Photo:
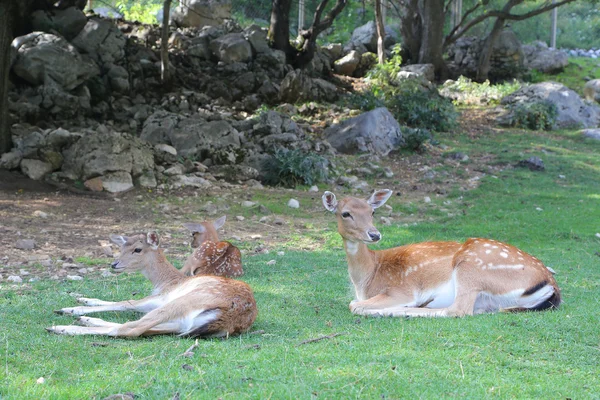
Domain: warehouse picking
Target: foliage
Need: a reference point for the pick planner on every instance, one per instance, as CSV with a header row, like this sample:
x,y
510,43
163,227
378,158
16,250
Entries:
x,y
464,91
290,168
386,72
574,76
415,139
143,11
539,115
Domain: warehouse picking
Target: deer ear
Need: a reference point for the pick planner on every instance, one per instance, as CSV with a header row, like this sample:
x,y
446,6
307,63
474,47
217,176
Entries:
x,y
118,239
218,223
329,201
195,227
152,239
379,198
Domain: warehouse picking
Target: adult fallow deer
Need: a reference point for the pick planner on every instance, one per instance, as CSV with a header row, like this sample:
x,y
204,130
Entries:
x,y
211,256
436,279
205,306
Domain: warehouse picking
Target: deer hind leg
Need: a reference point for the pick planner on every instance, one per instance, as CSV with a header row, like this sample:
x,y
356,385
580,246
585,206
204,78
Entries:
x,y
464,304
143,305
94,302
95,322
376,304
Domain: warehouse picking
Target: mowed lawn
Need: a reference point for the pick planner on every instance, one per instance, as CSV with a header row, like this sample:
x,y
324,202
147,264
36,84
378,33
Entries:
x,y
554,215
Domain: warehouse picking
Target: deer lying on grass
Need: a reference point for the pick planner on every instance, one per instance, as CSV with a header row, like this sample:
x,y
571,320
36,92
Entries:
x,y
206,306
436,279
212,257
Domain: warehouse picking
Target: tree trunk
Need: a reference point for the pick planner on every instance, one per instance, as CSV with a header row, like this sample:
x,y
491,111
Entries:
x,y
7,15
432,18
484,64
380,32
279,29
410,28
165,73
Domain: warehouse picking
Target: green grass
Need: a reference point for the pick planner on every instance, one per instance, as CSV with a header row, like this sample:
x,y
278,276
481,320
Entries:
x,y
306,295
575,75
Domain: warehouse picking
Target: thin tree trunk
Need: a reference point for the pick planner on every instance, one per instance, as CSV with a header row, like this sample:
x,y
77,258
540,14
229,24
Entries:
x,y
7,14
165,73
484,64
410,28
380,32
432,16
279,29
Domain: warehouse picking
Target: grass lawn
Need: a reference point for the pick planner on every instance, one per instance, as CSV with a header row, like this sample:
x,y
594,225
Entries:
x,y
554,214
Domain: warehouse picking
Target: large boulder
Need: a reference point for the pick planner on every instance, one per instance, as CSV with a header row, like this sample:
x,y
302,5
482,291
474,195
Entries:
x,y
427,71
195,137
101,152
68,22
231,48
573,112
375,132
257,37
297,86
542,58
365,35
591,90
102,40
43,58
199,13
347,64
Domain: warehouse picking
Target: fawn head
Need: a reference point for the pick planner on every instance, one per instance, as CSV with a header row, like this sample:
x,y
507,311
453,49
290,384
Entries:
x,y
136,251
205,231
355,216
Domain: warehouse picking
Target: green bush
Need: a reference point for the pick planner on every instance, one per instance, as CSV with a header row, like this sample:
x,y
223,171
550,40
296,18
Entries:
x,y
293,167
465,91
415,138
536,116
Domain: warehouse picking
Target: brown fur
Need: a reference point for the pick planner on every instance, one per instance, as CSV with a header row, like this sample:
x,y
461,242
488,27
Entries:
x,y
386,281
214,258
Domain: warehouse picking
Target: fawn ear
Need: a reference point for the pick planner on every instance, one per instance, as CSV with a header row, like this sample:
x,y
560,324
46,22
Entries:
x,y
329,201
218,223
152,239
379,197
195,227
118,239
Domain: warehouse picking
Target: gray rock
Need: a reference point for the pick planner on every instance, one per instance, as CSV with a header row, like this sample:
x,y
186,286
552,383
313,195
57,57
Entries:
x,y
427,71
591,90
176,169
293,203
573,112
25,244
347,64
60,138
533,163
147,180
365,35
163,153
257,37
44,58
10,160
190,180
297,86
14,279
235,172
68,22
591,133
333,50
115,182
101,40
231,48
199,13
542,58
375,131
35,169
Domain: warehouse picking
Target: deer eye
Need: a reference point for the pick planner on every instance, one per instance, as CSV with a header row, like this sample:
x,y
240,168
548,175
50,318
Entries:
x,y
137,250
346,215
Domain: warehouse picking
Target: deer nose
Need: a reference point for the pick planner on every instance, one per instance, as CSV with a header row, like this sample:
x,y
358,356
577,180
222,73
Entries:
x,y
375,236
114,264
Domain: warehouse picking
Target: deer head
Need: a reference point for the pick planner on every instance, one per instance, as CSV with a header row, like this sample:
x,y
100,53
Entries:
x,y
205,231
355,216
136,251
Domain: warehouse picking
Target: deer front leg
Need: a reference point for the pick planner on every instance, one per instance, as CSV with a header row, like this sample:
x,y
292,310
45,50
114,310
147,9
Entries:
x,y
376,304
144,305
94,302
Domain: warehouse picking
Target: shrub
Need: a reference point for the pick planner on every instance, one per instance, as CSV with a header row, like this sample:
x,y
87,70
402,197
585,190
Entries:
x,y
292,167
536,116
465,91
415,138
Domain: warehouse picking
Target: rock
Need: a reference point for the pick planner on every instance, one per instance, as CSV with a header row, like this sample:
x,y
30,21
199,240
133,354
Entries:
x,y
239,218
427,199
367,61
591,90
293,203
115,182
375,132
271,262
25,244
533,163
542,58
10,160
190,180
591,133
427,71
14,279
347,64
119,79
365,35
257,37
35,169
333,50
74,278
573,112
247,204
40,214
163,153
231,48
235,173
101,40
94,184
313,188
60,138
68,22
199,13
297,86
176,169
147,180
45,59
279,221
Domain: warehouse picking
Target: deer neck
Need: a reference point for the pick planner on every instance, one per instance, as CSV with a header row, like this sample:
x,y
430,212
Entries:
x,y
361,266
162,273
